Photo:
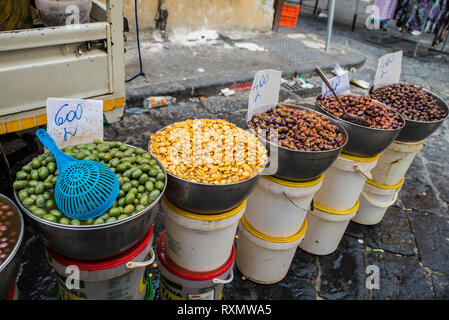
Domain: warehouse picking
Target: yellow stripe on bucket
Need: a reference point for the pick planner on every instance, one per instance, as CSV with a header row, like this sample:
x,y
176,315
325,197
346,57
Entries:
x,y
262,236
205,217
381,186
362,159
340,212
296,184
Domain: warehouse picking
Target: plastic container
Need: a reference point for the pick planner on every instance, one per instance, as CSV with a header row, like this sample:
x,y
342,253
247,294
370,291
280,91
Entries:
x,y
277,208
149,293
60,13
343,181
120,278
375,200
177,283
263,259
198,242
394,162
289,15
326,228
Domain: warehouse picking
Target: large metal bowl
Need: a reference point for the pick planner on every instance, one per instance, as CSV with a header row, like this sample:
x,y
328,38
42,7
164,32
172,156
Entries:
x,y
208,198
295,165
415,131
364,141
205,198
95,242
10,267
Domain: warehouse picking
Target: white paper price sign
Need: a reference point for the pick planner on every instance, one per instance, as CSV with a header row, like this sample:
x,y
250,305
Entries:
x,y
264,92
72,121
340,84
388,69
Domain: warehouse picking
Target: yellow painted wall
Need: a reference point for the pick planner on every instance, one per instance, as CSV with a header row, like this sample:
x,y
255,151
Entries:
x,y
254,15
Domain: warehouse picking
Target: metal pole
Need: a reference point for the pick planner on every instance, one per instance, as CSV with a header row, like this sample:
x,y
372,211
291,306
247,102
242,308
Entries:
x,y
330,21
356,11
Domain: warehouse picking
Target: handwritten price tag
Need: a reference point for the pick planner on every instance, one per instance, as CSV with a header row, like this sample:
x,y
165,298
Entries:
x,y
264,92
71,121
340,84
388,69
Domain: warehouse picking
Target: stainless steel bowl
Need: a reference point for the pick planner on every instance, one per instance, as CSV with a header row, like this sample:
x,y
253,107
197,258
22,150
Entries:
x,y
415,131
205,198
364,141
10,267
208,198
95,242
295,165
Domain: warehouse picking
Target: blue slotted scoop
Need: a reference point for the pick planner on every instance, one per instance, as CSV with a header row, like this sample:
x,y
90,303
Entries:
x,y
84,189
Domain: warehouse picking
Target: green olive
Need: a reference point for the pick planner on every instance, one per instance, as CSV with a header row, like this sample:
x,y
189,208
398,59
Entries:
x,y
43,173
22,175
40,188
126,186
137,173
19,184
140,207
39,212
154,194
114,212
28,202
40,201
56,213
128,209
130,198
111,219
160,176
27,168
149,186
64,220
122,216
22,194
36,163
51,167
159,185
49,217
75,222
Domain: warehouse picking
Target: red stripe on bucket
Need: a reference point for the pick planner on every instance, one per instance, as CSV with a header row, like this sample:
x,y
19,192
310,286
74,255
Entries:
x,y
11,293
105,264
184,273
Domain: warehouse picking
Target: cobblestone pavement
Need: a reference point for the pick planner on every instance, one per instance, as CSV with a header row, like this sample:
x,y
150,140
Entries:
x,y
413,236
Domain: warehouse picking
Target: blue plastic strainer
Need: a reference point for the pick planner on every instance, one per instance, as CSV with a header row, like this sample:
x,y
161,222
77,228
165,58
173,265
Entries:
x,y
84,189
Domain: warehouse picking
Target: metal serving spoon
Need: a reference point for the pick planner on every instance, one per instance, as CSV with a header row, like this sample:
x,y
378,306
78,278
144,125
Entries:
x,y
346,116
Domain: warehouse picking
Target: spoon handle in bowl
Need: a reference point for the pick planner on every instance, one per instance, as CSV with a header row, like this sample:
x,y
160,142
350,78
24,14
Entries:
x,y
62,159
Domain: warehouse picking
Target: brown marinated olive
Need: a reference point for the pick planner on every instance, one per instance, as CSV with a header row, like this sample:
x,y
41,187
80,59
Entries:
x,y
410,101
298,129
376,115
9,230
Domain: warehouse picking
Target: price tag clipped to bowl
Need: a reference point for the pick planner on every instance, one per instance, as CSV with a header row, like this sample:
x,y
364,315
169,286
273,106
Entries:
x,y
340,84
264,92
388,69
73,121
264,95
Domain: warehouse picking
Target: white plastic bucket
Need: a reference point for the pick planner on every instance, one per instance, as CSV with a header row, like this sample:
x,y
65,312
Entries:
x,y
120,278
264,259
177,283
374,202
277,208
326,228
394,162
344,181
200,242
